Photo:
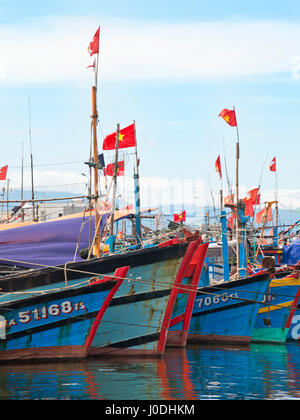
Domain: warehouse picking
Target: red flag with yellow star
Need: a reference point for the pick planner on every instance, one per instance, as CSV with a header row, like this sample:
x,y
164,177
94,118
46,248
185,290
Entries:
x,y
264,214
180,217
254,195
229,116
229,199
110,169
126,139
248,207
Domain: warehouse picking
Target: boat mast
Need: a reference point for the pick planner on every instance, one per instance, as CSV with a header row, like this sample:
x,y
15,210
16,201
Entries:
x,y
276,209
7,191
94,117
22,182
31,160
137,193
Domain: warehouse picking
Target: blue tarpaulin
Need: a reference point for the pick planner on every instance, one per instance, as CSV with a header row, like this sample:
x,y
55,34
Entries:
x,y
291,253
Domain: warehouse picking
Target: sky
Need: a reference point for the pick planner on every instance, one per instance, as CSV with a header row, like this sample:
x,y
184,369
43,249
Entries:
x,y
170,66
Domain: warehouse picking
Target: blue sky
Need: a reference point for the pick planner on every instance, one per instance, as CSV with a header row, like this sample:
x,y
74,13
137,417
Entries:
x,y
169,65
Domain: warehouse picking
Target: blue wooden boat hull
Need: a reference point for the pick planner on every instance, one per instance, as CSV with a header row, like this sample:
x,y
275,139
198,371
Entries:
x,y
274,316
54,325
226,312
133,323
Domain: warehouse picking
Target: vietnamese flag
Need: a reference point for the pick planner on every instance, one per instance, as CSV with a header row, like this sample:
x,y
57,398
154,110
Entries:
x,y
229,199
272,165
254,195
110,169
248,207
180,217
218,166
229,116
93,48
3,172
126,139
264,214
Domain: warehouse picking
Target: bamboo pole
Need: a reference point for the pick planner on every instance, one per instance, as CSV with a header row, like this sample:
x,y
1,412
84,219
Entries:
x,y
94,117
31,160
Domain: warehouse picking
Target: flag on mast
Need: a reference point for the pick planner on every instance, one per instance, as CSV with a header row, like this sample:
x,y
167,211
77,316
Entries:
x,y
248,206
229,116
254,195
180,217
126,139
218,166
3,172
229,199
272,165
93,48
264,215
110,169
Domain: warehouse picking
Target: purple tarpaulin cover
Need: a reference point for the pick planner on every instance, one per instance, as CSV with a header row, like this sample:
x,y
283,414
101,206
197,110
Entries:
x,y
49,243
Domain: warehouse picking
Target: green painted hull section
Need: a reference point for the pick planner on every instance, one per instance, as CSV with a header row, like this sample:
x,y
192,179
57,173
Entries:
x,y
270,335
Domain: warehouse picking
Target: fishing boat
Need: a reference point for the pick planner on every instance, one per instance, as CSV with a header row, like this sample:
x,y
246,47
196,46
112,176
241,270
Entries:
x,y
274,318
56,324
275,315
139,314
291,258
257,308
226,312
277,319
138,322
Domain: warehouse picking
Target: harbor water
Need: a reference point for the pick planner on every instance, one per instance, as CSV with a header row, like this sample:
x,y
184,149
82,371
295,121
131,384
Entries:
x,y
258,372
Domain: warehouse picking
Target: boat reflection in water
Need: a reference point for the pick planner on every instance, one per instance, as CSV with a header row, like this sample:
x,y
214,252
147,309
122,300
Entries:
x,y
196,373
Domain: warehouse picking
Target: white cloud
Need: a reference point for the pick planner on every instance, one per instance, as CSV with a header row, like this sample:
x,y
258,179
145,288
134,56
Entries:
x,y
55,49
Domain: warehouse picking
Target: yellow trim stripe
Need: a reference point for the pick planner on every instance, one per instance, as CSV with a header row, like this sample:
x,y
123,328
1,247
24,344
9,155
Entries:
x,y
274,308
285,282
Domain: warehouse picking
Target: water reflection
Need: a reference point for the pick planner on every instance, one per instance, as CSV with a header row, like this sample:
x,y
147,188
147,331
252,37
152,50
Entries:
x,y
206,372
